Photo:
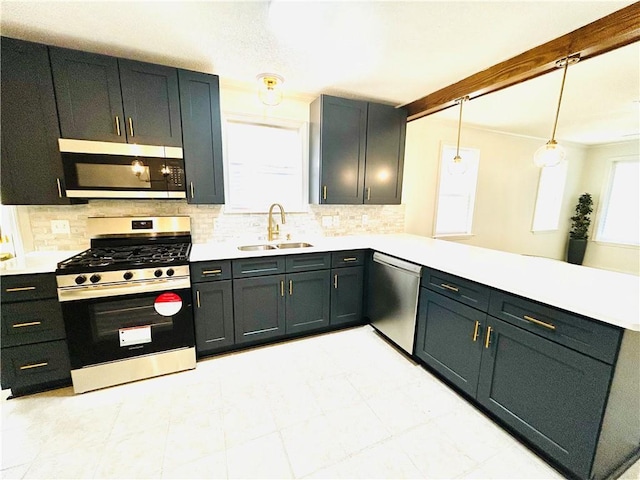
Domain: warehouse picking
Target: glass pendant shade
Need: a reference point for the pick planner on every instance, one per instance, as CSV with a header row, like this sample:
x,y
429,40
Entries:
x,y
269,90
549,155
457,166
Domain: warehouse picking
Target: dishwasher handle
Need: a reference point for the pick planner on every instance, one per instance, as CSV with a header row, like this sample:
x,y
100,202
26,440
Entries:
x,y
396,263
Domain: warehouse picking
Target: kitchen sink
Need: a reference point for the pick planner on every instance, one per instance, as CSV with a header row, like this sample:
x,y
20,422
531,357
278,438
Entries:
x,y
251,248
294,245
247,248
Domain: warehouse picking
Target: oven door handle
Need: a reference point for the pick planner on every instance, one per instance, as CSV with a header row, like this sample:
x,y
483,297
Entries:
x,y
71,294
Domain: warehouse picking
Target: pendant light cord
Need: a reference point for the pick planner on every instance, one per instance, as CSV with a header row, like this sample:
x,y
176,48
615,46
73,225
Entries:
x,y
566,61
462,99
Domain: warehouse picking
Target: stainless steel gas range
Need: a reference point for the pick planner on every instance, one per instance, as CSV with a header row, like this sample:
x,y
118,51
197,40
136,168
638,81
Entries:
x,y
126,301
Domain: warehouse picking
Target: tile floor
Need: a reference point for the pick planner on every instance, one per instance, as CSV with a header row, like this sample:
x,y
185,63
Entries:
x,y
340,405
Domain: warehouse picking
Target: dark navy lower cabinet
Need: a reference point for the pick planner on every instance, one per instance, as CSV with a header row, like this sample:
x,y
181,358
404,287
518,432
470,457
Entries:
x,y
553,396
449,339
259,308
213,316
347,289
307,301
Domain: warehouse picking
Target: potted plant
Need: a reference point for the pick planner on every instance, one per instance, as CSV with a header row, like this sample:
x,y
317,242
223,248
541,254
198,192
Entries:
x,y
579,229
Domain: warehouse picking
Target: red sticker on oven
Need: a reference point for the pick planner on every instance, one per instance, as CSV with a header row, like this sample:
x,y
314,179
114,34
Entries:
x,y
168,304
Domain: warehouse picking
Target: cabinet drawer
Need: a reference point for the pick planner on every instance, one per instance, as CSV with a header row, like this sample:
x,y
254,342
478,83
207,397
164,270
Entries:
x,y
31,365
31,322
17,288
348,258
210,271
460,289
579,333
307,262
256,267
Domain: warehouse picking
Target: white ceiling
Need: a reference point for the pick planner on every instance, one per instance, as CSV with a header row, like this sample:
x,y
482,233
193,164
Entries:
x,y
392,52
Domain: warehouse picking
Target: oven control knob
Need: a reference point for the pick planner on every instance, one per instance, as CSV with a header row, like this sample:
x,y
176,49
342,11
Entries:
x,y
127,275
158,273
170,272
80,279
95,278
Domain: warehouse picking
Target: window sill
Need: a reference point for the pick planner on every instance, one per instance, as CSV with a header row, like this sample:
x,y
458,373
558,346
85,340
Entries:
x,y
455,236
614,244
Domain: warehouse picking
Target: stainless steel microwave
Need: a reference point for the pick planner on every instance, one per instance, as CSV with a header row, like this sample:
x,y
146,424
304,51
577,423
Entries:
x,y
121,170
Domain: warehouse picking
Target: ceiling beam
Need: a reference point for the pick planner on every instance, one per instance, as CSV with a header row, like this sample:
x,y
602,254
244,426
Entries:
x,y
608,33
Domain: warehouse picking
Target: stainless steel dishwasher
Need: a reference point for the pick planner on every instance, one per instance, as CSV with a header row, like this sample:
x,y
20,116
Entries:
x,y
392,302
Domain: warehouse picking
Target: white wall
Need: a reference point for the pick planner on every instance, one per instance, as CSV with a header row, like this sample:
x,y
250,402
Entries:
x,y
506,192
622,258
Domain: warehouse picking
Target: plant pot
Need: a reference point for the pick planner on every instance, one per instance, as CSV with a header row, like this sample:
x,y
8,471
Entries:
x,y
576,250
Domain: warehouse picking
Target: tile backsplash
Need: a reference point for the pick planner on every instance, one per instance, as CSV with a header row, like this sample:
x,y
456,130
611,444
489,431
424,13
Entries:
x,y
208,222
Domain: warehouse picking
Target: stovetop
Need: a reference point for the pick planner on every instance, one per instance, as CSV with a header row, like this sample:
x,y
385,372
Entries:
x,y
126,257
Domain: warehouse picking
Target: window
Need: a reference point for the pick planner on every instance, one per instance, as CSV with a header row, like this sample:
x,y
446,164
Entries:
x,y
10,239
546,215
456,192
265,163
619,220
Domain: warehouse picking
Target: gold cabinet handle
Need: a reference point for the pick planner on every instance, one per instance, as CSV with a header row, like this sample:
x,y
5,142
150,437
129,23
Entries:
x,y
487,342
550,326
368,193
131,126
34,365
198,298
211,272
324,192
26,324
475,331
349,259
282,288
193,194
19,289
335,281
449,287
290,287
118,126
59,187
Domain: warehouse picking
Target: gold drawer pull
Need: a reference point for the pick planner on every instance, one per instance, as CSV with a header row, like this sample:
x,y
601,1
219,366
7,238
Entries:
x,y
198,298
19,289
475,331
488,340
540,322
449,287
34,365
27,324
211,272
290,287
349,259
335,281
282,288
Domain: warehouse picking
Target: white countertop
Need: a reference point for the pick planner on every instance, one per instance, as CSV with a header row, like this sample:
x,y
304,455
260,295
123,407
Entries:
x,y
35,262
611,297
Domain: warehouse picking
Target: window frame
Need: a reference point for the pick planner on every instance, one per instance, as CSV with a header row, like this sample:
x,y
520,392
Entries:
x,y
441,165
303,131
607,186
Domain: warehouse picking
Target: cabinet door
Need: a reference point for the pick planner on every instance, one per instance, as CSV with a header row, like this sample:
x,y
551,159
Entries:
x,y
342,150
449,339
346,295
386,127
213,316
259,308
31,164
151,103
552,395
202,137
88,95
307,301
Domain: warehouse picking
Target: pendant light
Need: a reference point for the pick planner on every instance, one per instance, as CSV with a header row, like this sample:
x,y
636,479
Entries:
x,y
458,166
269,88
551,153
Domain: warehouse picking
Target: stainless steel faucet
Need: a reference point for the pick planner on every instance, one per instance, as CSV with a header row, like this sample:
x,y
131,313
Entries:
x,y
273,228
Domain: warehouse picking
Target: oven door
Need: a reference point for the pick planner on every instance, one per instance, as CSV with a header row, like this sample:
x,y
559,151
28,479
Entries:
x,y
114,328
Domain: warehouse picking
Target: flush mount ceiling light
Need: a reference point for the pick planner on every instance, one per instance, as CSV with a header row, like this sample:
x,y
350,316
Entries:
x,y
551,154
270,88
457,165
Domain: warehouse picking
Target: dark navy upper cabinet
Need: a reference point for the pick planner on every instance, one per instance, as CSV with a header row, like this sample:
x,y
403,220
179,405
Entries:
x,y
356,152
386,129
117,100
31,164
552,395
202,137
